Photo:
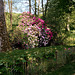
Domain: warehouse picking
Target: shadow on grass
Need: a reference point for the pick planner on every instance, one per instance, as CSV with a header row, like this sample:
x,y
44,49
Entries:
x,y
68,69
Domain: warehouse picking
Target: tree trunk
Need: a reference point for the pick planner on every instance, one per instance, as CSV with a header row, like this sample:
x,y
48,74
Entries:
x,y
10,12
38,6
35,7
4,10
4,41
30,6
4,5
42,9
67,26
46,7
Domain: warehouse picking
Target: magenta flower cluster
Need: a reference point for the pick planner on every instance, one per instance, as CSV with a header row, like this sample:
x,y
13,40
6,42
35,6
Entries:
x,y
37,31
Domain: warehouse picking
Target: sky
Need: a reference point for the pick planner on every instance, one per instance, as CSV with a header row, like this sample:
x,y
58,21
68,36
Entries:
x,y
20,6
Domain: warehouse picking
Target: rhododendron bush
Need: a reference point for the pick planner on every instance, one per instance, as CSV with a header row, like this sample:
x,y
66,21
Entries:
x,y
37,32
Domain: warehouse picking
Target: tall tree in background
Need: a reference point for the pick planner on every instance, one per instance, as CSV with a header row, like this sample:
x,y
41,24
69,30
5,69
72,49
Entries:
x,y
35,7
67,7
4,5
58,16
4,8
10,11
11,14
46,7
4,42
30,6
38,6
42,9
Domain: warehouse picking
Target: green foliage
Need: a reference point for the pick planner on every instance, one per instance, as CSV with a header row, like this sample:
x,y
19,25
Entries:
x,y
17,35
57,18
72,22
13,60
15,19
39,60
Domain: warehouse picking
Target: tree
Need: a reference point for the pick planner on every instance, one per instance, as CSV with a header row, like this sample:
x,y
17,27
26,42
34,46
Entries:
x,y
42,9
46,7
4,5
30,6
58,15
35,7
67,7
4,41
38,6
4,8
11,14
10,11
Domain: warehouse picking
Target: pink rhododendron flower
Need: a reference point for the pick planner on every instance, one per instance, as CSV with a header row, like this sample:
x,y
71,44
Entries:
x,y
33,23
20,16
43,37
48,33
69,48
45,27
41,20
35,27
22,20
45,24
34,17
23,16
42,26
28,16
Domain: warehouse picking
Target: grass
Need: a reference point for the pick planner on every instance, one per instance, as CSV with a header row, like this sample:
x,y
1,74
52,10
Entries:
x,y
68,69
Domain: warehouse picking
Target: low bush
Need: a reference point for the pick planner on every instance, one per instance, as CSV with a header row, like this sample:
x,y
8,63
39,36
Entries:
x,y
19,61
32,61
